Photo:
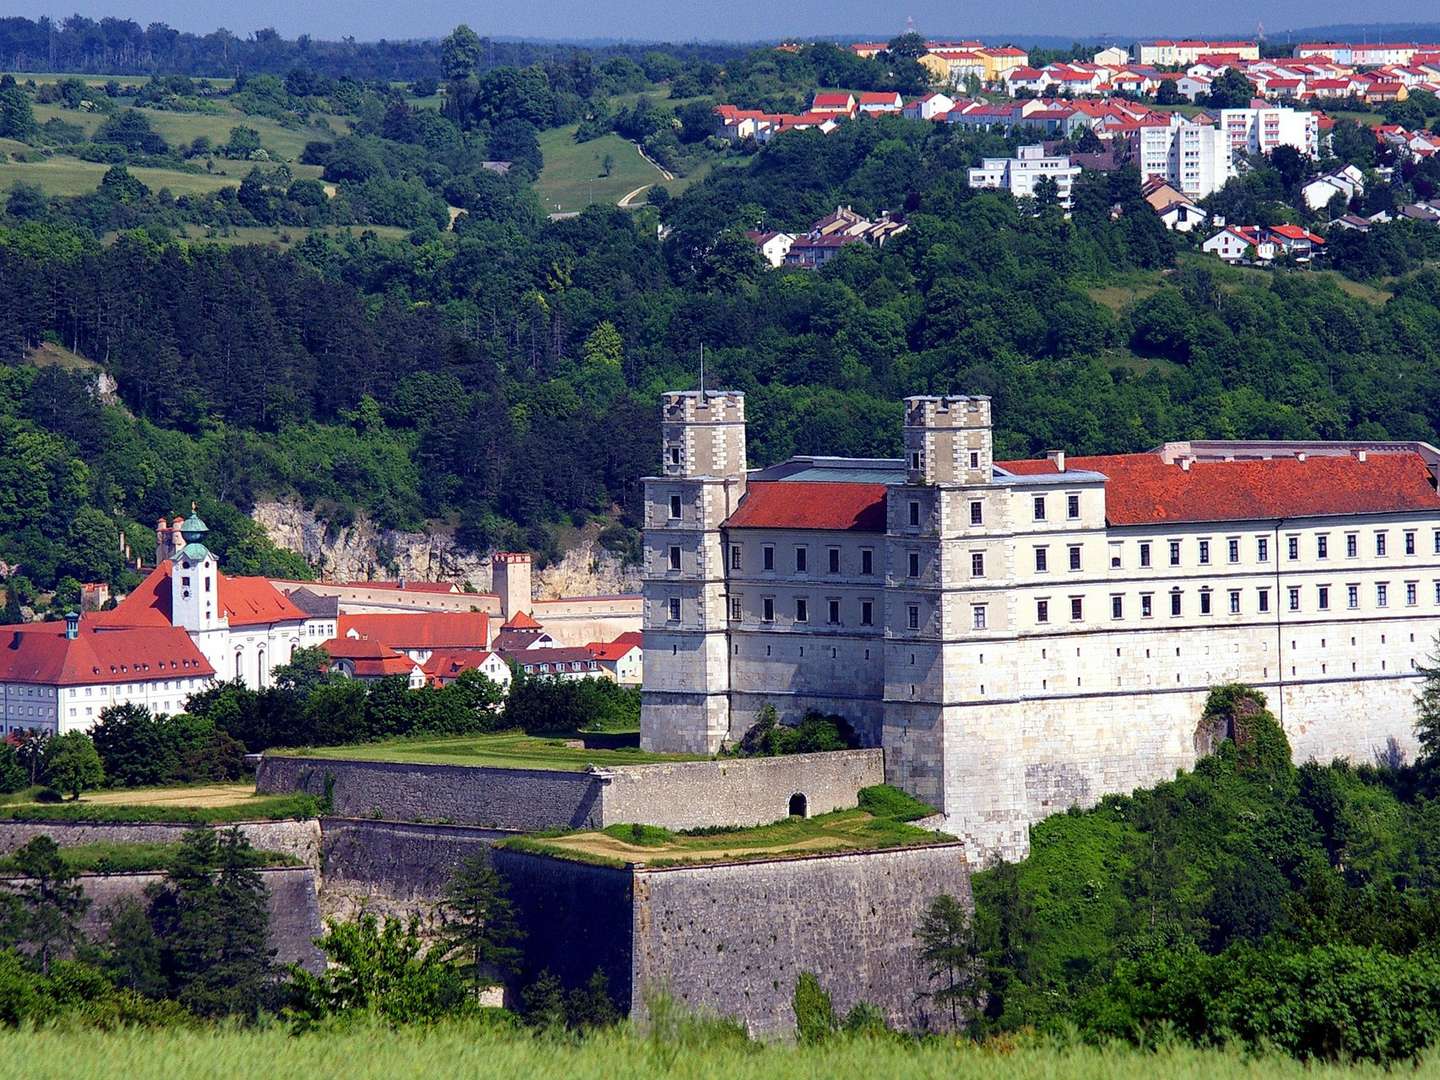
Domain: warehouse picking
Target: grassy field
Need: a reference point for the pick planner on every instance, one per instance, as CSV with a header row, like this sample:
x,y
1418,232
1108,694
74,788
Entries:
x,y
508,750
70,176
645,845
377,1054
284,237
572,177
182,804
181,129
101,80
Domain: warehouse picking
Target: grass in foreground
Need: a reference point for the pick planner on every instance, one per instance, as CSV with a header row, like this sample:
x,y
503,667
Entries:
x,y
370,1053
506,750
108,858
646,845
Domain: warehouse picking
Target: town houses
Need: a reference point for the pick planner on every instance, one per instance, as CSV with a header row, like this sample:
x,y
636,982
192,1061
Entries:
x,y
188,625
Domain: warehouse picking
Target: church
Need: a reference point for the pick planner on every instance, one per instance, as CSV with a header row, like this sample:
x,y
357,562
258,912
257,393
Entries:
x,y
186,625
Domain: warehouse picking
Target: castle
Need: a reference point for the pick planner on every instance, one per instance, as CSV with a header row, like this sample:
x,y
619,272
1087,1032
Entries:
x,y
1025,636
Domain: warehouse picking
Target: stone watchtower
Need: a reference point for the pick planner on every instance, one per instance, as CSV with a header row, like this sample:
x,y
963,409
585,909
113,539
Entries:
x,y
685,704
948,729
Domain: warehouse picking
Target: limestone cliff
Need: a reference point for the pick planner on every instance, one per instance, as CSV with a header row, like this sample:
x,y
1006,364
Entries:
x,y
364,550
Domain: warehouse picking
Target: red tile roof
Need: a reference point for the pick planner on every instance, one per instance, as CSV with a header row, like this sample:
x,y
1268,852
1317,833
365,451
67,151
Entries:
x,y
246,601
41,653
420,629
369,659
612,650
520,621
447,665
1143,489
797,504
408,586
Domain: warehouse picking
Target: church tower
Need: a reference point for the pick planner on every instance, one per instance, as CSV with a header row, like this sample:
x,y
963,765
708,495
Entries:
x,y
195,581
685,704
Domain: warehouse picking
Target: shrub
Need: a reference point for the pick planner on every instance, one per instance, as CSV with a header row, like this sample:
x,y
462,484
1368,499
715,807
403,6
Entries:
x,y
640,835
884,801
814,1013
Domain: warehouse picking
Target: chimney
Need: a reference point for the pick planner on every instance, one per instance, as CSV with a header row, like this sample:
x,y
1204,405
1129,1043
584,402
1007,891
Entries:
x,y
1185,463
1057,458
1300,456
162,541
72,626
1361,455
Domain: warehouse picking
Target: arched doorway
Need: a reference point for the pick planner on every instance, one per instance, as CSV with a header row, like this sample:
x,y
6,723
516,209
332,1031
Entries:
x,y
798,806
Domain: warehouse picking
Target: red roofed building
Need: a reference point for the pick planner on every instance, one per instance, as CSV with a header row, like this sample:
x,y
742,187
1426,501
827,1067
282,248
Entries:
x,y
371,661
1021,636
420,633
446,665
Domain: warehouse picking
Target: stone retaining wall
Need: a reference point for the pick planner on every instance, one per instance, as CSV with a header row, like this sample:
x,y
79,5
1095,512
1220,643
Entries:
x,y
300,839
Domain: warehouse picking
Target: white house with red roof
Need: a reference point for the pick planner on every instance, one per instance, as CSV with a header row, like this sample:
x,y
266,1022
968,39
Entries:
x,y
1024,636
184,626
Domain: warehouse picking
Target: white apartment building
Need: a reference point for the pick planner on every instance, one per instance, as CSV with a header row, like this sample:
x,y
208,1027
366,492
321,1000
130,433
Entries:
x,y
1193,158
1168,53
1259,131
1018,175
1025,636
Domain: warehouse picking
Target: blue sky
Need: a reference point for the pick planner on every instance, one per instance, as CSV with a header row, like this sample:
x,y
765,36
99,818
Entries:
x,y
735,19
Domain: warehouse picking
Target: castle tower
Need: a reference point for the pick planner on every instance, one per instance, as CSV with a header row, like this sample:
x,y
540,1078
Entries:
x,y
685,706
950,734
510,580
195,581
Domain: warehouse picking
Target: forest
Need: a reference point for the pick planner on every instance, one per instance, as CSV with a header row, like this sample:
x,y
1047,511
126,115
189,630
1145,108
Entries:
x,y
501,377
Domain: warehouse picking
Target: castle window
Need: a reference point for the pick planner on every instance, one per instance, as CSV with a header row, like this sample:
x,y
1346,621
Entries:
x,y
185,580
802,609
834,612
1409,543
915,460
735,561
1292,548
977,564
1077,608
1144,555
833,555
1322,546
802,560
675,609
1072,506
1437,541
674,507
767,609
1204,601
1264,599
1042,611
767,557
1379,543
1412,593
1352,545
974,459
1233,548
912,616
913,567
736,609
674,455
867,613
1322,597
1175,602
674,557
1115,553
977,513
1294,597
867,561
1262,548
1074,556
1147,605
1437,592
1352,597
914,512
977,616
1117,606
1174,552
1204,552
1382,594
1234,601
1042,560
1038,505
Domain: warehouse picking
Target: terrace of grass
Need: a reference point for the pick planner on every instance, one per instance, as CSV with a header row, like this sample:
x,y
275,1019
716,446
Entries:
x,y
107,858
882,820
509,750
181,804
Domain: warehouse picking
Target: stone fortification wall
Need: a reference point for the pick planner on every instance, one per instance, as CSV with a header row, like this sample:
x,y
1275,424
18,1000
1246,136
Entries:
x,y
737,791
514,799
298,838
294,913
732,939
399,859
577,918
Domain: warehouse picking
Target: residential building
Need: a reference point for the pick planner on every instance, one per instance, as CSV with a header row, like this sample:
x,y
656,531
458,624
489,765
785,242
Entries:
x,y
929,107
1019,175
1025,636
773,246
1347,182
1177,212
1193,158
1168,53
1262,128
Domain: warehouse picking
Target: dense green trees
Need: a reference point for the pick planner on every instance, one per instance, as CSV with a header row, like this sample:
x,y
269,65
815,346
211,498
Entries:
x,y
1249,900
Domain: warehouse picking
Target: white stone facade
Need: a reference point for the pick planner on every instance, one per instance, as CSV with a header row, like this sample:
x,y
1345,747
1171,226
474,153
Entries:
x,y
1015,640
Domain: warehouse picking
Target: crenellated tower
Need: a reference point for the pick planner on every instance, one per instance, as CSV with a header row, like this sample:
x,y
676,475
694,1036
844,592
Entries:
x,y
685,706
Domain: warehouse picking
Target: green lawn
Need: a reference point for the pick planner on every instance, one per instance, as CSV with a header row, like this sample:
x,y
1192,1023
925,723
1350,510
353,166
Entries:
x,y
284,237
681,1051
508,749
101,80
184,804
573,177
841,830
133,858
181,129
